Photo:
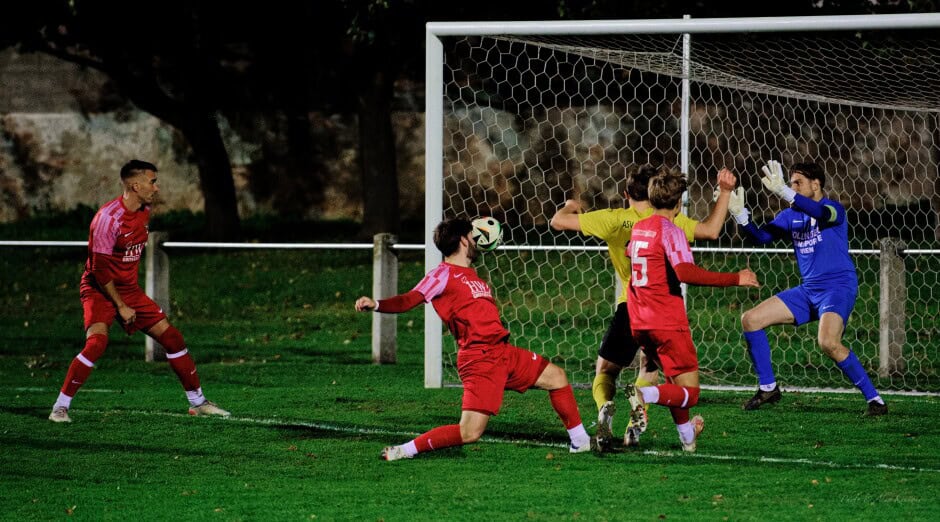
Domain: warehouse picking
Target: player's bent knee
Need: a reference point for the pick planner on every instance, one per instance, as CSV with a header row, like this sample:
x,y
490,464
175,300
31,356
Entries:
x,y
608,367
831,347
693,396
470,434
553,377
172,340
95,346
747,321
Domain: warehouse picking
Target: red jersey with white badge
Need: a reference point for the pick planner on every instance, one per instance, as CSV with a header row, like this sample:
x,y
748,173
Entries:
x,y
464,302
655,248
116,239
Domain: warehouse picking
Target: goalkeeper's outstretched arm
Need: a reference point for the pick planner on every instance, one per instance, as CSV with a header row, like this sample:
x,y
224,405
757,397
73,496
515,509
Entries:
x,y
826,215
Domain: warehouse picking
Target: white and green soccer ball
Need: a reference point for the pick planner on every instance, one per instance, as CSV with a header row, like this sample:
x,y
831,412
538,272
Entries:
x,y
487,232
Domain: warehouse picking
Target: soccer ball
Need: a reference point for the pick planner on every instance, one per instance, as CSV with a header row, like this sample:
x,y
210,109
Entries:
x,y
487,232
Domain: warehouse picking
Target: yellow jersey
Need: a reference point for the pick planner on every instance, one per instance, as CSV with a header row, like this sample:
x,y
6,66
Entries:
x,y
615,226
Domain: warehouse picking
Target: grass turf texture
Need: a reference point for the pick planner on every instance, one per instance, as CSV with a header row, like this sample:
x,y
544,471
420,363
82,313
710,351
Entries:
x,y
277,343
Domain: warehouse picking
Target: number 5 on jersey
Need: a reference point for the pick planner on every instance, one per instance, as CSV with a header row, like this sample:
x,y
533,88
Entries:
x,y
638,262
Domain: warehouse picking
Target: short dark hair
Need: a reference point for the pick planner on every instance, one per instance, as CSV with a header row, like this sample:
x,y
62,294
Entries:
x,y
638,180
666,189
135,167
447,234
811,171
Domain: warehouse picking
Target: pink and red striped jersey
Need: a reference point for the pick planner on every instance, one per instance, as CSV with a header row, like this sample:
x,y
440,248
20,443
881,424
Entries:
x,y
464,302
655,248
116,239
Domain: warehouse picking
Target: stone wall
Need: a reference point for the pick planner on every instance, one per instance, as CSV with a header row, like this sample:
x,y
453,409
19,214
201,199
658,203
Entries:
x,y
64,136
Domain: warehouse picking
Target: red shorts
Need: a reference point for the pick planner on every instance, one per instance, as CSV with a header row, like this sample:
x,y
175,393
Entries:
x,y
673,349
487,371
98,308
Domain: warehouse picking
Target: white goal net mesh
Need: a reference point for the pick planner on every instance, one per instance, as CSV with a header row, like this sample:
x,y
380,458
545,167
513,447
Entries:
x,y
532,121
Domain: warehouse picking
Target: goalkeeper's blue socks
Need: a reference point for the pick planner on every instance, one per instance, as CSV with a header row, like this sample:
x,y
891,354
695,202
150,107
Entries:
x,y
759,349
852,368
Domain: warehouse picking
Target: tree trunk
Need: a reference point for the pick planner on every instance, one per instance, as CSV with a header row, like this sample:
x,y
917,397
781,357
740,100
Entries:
x,y
215,176
377,155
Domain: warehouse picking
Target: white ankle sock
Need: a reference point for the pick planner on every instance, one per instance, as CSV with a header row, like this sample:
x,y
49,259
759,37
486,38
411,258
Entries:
x,y
410,449
650,394
579,436
195,397
686,432
63,400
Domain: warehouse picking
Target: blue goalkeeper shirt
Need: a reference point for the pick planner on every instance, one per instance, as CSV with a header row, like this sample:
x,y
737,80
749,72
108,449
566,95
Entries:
x,y
819,233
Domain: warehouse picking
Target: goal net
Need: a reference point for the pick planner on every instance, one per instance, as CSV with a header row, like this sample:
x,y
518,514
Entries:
x,y
522,116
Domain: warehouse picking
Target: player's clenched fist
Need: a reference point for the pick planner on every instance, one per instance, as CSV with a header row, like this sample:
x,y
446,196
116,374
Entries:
x,y
747,277
365,304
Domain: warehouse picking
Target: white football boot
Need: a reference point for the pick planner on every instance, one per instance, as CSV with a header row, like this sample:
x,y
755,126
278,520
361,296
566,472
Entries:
x,y
394,453
698,423
60,414
208,408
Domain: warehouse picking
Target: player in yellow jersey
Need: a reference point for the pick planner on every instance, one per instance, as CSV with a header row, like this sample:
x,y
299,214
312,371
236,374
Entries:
x,y
614,226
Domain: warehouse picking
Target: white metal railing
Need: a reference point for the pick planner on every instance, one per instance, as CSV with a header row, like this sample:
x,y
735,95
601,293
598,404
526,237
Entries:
x,y
385,284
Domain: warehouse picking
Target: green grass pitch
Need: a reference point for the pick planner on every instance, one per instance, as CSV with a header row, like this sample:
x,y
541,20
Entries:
x,y
277,342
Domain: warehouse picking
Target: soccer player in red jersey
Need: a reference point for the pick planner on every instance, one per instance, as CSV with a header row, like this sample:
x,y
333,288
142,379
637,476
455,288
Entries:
x,y
661,259
109,291
486,362
614,225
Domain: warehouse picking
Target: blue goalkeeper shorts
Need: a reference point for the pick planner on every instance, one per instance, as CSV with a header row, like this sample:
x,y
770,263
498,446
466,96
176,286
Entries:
x,y
807,304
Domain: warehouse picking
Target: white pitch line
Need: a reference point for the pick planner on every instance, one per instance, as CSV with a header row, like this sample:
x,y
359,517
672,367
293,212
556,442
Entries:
x,y
776,460
529,442
37,389
837,391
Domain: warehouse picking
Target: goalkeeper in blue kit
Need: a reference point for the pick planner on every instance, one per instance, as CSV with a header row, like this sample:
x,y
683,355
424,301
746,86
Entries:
x,y
817,227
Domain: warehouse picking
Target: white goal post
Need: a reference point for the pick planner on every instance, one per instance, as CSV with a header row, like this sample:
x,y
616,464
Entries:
x,y
522,115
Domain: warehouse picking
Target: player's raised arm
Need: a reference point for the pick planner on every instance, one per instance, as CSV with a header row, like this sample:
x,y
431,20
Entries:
x,y
566,218
711,227
774,181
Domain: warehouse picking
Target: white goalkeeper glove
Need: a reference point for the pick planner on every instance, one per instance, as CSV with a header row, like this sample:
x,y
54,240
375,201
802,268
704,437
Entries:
x,y
774,182
736,206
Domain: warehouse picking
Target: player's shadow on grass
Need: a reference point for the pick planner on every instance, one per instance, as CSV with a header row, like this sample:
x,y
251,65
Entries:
x,y
359,434
25,411
59,443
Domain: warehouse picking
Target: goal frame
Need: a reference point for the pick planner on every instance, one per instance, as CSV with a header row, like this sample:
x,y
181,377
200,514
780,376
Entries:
x,y
434,98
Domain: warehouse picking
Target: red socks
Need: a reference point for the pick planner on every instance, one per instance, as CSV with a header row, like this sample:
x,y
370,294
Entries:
x,y
565,405
82,364
176,354
679,415
439,438
178,357
446,436
678,396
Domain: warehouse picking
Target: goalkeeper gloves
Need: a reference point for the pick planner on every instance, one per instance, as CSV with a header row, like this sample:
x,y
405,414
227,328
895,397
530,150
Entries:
x,y
774,182
736,206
